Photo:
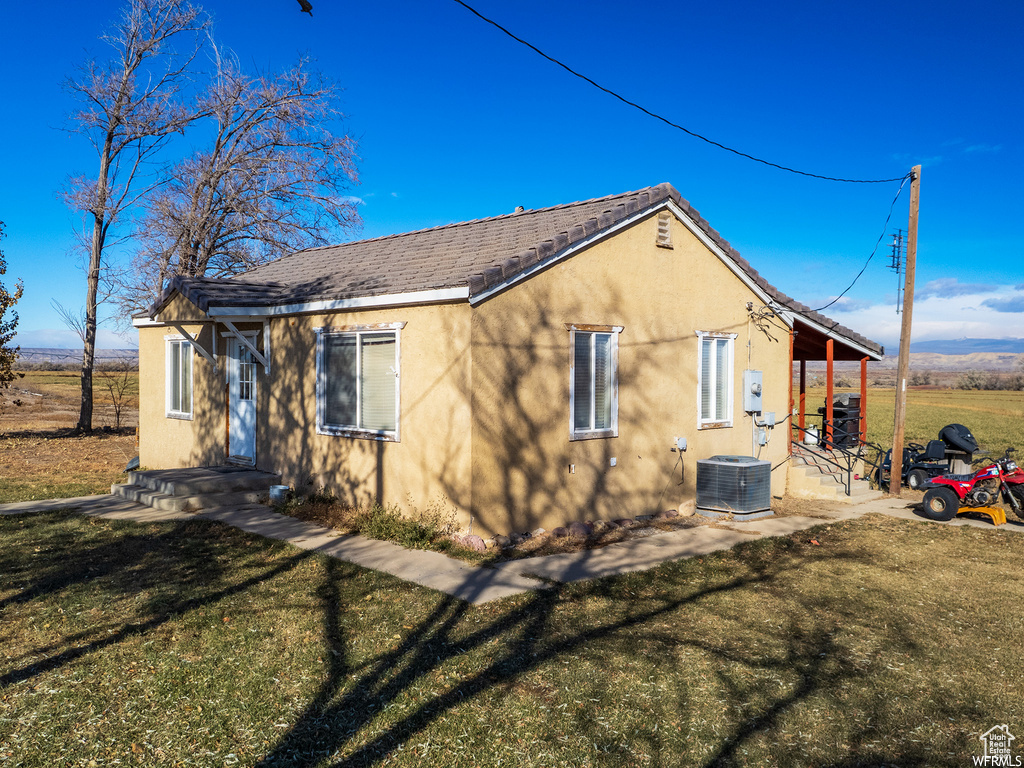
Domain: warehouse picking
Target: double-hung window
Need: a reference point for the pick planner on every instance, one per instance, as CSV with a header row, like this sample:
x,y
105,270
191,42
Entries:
x,y
714,379
594,385
179,379
357,381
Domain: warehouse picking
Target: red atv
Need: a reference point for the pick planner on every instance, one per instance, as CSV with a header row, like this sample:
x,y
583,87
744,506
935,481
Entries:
x,y
946,495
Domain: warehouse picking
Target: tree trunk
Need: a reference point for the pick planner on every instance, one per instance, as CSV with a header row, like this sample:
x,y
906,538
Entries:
x,y
92,288
89,350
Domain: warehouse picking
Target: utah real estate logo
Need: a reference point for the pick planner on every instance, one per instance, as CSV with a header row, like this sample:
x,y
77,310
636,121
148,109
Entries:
x,y
998,748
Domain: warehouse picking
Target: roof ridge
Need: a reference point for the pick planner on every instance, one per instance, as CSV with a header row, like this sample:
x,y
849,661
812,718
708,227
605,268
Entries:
x,y
456,224
631,203
485,256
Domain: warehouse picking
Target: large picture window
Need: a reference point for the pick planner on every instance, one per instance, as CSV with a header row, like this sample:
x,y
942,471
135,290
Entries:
x,y
357,382
594,395
714,379
179,379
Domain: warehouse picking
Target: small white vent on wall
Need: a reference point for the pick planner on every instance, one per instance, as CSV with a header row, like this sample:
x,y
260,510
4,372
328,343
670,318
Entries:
x,y
664,230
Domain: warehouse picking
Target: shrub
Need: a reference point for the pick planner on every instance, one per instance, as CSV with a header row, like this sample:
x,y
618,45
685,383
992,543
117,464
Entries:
x,y
1014,383
974,380
421,529
921,378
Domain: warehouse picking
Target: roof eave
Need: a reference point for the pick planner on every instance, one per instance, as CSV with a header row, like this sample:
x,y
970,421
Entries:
x,y
432,296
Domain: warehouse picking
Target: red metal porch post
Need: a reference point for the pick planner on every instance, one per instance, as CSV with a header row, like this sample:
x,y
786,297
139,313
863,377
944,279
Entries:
x,y
789,443
803,399
828,392
863,399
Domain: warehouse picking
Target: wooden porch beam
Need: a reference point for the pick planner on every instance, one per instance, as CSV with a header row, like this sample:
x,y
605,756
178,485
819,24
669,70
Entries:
x,y
789,443
248,345
803,398
194,341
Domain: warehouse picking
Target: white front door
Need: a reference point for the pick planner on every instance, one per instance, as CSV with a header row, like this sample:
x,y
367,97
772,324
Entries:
x,y
241,402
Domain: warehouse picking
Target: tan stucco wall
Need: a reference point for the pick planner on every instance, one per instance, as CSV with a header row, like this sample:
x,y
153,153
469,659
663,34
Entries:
x,y
526,471
485,394
169,442
429,466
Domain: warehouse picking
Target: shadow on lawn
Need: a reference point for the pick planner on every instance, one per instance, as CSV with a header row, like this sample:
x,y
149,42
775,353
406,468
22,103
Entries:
x,y
179,585
340,711
533,631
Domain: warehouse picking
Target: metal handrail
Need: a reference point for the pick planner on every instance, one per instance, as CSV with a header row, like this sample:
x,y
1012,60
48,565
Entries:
x,y
843,457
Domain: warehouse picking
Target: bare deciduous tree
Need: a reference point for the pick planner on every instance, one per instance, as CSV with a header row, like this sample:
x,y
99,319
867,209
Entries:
x,y
120,379
8,326
73,321
129,109
273,180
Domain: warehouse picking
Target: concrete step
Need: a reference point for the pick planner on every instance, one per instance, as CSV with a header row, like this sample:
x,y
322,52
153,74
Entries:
x,y
193,503
806,481
827,471
815,476
203,480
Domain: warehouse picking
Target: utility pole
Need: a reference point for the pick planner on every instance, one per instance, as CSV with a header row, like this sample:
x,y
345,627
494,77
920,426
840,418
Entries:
x,y
903,364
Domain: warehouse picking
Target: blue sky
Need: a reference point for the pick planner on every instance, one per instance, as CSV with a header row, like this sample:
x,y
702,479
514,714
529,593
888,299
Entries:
x,y
456,121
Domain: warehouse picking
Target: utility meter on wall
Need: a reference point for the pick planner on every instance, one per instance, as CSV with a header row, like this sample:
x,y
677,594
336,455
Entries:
x,y
752,391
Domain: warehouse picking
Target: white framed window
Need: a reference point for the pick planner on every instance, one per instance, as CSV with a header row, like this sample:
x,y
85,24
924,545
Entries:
x,y
594,381
179,378
714,379
357,382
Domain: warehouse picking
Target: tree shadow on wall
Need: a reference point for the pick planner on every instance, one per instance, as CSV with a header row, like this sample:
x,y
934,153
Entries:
x,y
287,442
526,471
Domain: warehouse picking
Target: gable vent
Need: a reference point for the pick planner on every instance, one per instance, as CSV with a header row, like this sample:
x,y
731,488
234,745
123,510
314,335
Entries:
x,y
664,230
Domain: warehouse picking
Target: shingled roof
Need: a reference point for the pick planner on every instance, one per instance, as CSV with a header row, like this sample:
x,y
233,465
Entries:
x,y
475,255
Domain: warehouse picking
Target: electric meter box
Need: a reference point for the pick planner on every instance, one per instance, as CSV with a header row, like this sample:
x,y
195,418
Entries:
x,y
752,391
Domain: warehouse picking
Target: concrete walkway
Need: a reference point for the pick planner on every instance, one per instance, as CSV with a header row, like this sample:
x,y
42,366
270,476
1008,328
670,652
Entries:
x,y
480,584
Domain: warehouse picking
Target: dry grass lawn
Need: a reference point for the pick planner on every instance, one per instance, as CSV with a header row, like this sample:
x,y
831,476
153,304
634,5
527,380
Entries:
x,y
50,401
882,642
40,457
888,642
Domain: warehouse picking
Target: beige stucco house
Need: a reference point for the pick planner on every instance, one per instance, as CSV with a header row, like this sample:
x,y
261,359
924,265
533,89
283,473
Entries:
x,y
528,369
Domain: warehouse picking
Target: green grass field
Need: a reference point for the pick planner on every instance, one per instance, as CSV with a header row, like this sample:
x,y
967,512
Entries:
x,y
995,418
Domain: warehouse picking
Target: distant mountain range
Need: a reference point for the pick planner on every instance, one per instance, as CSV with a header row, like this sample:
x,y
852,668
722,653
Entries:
x,y
951,354
968,346
53,355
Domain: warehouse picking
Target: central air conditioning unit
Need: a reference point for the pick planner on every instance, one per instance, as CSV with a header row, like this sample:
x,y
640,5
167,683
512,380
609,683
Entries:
x,y
737,485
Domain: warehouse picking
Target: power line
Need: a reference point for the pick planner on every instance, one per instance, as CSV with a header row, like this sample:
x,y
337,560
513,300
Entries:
x,y
903,183
665,120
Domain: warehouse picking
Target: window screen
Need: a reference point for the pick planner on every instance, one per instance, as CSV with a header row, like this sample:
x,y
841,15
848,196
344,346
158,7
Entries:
x,y
593,382
358,382
179,378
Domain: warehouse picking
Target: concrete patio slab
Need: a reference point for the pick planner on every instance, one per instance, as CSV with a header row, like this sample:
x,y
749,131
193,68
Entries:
x,y
780,526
